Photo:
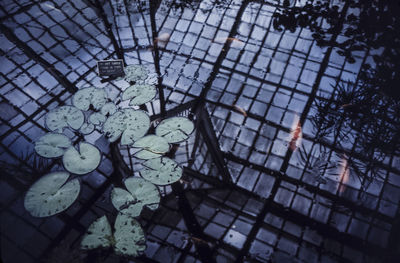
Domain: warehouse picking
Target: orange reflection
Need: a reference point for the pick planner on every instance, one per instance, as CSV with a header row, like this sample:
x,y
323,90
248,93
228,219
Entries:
x,y
344,174
296,134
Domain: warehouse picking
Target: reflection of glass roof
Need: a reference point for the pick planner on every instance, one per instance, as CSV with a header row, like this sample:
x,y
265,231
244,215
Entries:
x,y
250,191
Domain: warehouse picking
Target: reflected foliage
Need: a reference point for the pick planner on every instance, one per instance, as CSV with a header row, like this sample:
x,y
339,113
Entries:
x,y
362,115
372,26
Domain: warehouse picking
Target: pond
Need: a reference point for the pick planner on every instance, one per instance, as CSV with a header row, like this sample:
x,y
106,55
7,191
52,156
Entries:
x,y
199,131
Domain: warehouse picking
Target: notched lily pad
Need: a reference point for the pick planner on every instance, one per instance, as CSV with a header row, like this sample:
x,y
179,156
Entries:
x,y
51,194
99,234
132,124
108,109
129,236
64,116
97,118
128,239
161,171
140,193
83,161
175,129
85,97
86,128
135,73
151,146
139,94
52,145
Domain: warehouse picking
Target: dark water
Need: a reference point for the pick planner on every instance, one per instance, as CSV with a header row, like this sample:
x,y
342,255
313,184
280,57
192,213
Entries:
x,y
295,153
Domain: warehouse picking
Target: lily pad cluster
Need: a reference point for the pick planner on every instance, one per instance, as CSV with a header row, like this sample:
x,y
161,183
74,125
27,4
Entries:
x,y
92,110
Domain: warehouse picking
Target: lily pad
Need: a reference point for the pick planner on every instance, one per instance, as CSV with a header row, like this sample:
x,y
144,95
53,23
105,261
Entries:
x,y
64,116
85,97
128,238
140,193
161,171
132,124
135,73
99,234
83,161
108,109
152,146
52,145
175,129
97,118
87,128
51,194
139,94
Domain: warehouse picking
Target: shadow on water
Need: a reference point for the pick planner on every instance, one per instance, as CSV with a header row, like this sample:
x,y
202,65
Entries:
x,y
365,111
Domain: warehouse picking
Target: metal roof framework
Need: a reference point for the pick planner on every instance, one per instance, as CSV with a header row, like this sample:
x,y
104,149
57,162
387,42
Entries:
x,y
245,196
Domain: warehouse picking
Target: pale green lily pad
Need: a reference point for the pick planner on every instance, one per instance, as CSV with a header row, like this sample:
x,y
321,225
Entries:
x,y
140,193
83,98
128,239
51,194
99,234
97,118
83,161
114,126
175,129
161,171
152,146
135,73
129,236
132,124
86,128
139,94
52,145
108,109
64,116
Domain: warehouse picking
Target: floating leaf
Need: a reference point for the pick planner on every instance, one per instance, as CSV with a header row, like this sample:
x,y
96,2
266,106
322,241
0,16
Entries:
x,y
51,194
64,116
175,129
97,118
52,145
83,98
140,193
128,239
87,128
129,236
83,161
139,94
152,146
108,109
114,126
99,234
132,124
135,73
161,171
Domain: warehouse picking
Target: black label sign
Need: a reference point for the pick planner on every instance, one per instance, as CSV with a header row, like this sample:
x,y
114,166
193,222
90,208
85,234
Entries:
x,y
110,68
